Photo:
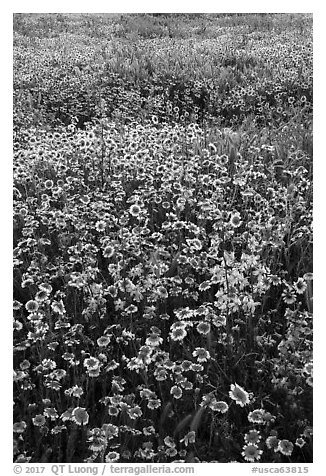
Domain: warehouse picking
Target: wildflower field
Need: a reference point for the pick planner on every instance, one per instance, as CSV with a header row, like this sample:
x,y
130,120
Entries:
x,y
162,238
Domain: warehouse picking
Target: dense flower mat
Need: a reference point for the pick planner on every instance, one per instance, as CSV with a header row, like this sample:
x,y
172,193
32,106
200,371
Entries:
x,y
162,239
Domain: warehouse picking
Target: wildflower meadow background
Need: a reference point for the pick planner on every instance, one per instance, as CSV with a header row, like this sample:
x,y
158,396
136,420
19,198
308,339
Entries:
x,y
162,238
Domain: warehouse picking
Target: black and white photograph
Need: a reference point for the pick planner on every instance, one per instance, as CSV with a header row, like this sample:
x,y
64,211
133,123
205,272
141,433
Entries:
x,y
162,239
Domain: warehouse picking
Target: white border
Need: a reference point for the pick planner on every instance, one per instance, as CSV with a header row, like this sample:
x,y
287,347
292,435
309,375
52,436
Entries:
x,y
182,6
